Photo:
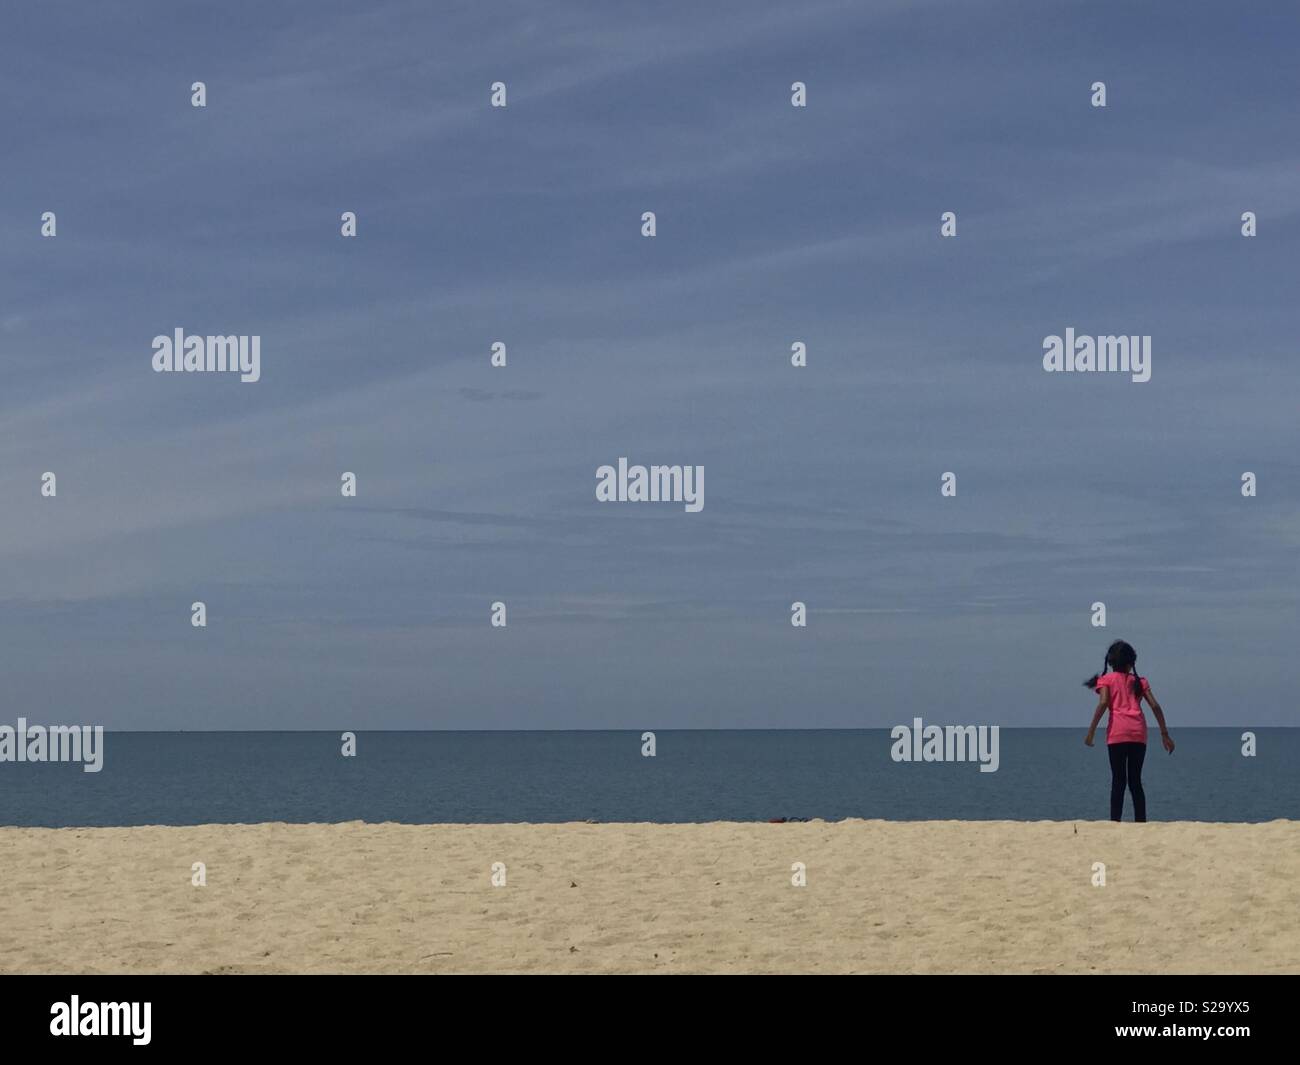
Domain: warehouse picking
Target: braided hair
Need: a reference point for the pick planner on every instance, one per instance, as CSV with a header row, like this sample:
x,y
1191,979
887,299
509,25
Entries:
x,y
1121,658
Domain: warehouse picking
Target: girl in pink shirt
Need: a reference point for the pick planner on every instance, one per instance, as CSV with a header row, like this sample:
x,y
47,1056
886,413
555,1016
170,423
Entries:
x,y
1121,691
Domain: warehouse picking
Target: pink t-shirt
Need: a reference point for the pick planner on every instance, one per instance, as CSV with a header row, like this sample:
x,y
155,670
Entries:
x,y
1127,723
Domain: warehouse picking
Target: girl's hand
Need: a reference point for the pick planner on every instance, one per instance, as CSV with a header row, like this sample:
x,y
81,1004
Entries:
x,y
1168,741
1088,738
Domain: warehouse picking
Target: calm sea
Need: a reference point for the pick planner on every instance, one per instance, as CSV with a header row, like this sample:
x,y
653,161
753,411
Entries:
x,y
201,777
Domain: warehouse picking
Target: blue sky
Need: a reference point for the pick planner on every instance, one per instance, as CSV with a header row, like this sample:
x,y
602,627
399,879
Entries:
x,y
521,224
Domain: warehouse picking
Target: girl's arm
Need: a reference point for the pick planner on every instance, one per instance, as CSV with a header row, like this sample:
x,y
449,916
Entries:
x,y
1103,704
1165,738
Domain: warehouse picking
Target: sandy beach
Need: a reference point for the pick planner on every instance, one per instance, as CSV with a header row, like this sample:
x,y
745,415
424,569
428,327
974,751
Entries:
x,y
880,897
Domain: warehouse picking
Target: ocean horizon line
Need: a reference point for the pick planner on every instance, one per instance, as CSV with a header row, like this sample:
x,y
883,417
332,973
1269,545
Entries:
x,y
548,731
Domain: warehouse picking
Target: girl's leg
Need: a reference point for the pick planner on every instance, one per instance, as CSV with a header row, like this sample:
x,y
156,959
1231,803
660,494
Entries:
x,y
1117,778
1137,753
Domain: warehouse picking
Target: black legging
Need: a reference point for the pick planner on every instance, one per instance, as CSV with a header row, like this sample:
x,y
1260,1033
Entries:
x,y
1126,767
